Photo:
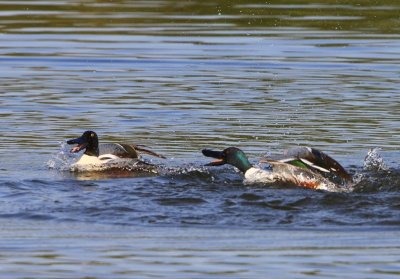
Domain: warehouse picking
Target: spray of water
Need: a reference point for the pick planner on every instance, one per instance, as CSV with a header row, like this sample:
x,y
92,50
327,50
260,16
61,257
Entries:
x,y
63,159
374,161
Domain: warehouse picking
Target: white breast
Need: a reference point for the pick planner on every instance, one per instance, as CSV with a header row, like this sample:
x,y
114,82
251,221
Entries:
x,y
86,162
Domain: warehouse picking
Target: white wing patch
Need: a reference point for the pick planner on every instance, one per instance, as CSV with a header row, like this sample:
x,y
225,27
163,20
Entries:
x,y
313,165
107,157
285,160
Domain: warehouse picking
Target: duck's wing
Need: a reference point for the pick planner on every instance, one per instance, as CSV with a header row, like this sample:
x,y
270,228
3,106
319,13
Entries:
x,y
316,160
118,150
125,150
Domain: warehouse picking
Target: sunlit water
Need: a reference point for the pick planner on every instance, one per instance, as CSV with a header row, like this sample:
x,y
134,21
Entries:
x,y
179,76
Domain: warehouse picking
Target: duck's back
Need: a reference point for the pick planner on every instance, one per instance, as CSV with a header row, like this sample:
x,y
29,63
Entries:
x,y
118,149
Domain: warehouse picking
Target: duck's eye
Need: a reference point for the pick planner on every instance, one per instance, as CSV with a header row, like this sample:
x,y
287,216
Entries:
x,y
92,135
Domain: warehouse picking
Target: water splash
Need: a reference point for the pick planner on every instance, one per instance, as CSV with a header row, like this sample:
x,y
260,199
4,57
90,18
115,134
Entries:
x,y
374,161
63,160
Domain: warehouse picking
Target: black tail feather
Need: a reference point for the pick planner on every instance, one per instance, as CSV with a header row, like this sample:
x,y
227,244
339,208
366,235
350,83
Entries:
x,y
146,151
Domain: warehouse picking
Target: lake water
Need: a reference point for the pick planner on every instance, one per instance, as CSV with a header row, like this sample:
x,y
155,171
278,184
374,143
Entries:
x,y
180,76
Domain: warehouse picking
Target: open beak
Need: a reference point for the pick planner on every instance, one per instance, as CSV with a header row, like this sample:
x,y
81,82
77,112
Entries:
x,y
81,144
214,154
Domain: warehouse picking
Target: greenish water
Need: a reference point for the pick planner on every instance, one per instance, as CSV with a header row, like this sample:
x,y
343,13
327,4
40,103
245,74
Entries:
x,y
179,76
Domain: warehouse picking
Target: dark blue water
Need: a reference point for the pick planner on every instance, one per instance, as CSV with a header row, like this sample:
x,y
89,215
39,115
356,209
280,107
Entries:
x,y
183,76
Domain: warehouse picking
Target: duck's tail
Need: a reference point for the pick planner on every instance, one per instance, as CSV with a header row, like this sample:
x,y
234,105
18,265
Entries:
x,y
146,151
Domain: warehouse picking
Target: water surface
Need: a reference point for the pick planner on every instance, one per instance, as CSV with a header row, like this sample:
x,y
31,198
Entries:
x,y
179,76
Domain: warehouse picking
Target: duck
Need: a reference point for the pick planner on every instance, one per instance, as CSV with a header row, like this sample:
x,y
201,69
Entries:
x,y
98,157
304,167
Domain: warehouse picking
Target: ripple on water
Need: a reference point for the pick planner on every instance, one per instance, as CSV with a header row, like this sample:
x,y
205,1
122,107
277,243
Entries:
x,y
200,196
180,201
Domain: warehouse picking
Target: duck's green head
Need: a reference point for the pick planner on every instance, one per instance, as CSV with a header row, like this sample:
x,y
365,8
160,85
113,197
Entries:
x,y
231,155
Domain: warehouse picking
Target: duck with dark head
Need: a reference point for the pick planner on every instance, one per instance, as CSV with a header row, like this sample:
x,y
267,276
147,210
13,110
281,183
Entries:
x,y
108,155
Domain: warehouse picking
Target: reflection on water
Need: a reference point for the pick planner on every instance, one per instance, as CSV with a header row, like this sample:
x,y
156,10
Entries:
x,y
171,17
180,76
220,76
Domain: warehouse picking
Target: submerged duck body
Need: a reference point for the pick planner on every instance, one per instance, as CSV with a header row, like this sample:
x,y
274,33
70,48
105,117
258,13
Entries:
x,y
99,157
289,170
